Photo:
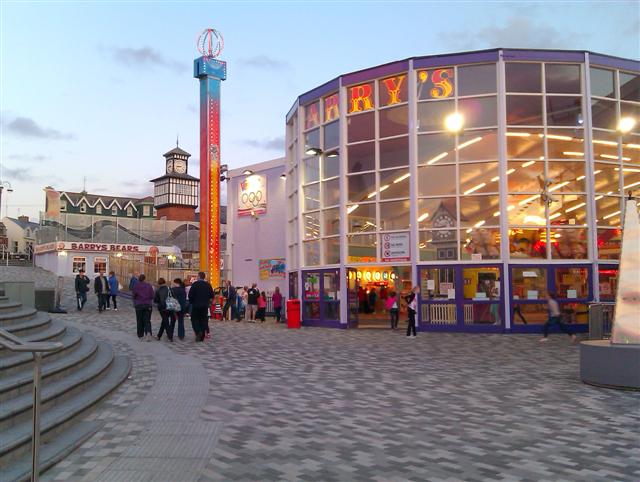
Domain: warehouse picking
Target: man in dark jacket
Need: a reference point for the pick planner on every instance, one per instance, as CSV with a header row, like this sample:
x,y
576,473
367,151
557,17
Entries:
x,y
200,296
230,295
252,301
101,289
142,298
82,287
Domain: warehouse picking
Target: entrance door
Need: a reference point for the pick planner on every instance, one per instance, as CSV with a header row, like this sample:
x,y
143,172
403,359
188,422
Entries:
x,y
352,298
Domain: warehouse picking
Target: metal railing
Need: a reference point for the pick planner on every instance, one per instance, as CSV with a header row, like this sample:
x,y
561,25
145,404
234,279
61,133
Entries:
x,y
14,343
601,320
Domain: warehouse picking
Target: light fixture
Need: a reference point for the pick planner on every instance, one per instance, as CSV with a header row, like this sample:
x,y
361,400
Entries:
x,y
313,151
247,172
626,124
437,158
333,153
469,142
423,217
283,176
224,178
454,122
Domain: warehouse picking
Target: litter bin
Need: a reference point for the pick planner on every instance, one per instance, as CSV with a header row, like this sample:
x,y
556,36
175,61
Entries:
x,y
293,313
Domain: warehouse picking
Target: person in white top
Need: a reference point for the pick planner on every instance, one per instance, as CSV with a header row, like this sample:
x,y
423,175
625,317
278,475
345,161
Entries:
x,y
555,318
412,301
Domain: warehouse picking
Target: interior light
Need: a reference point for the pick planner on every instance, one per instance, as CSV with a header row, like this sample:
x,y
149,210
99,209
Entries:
x,y
423,217
599,197
372,194
247,172
573,208
332,154
558,138
553,216
518,134
475,188
494,179
632,185
401,178
612,214
574,154
558,186
528,163
528,200
534,220
383,188
632,146
479,223
609,156
313,151
437,158
605,143
511,171
626,124
580,178
350,209
454,122
469,142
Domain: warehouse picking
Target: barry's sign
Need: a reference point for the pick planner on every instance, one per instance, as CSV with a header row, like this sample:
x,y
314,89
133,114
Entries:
x,y
126,248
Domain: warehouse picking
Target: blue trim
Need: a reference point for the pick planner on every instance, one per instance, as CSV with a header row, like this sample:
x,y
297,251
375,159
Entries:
x,y
543,55
455,59
315,94
324,323
375,72
614,62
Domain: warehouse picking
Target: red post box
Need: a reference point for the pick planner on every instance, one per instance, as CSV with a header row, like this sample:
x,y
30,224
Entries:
x,y
293,313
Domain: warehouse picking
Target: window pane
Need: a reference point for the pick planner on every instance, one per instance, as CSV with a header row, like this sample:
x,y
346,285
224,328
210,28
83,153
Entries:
x,y
478,112
360,98
568,210
477,145
311,253
311,169
603,114
602,83
609,245
569,243
360,186
394,215
521,77
479,177
529,283
362,157
330,166
331,252
606,178
605,145
393,90
444,209
525,209
570,175
608,210
524,176
431,115
631,110
478,211
361,218
565,144
440,245
436,83
397,182
331,192
572,282
312,115
312,139
524,110
362,248
483,243
562,79
331,135
331,221
360,127
564,111
432,147
525,143
629,87
311,197
630,179
393,121
394,152
477,79
436,180
312,225
631,149
528,243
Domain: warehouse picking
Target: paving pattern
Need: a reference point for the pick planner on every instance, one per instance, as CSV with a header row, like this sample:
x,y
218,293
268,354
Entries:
x,y
322,405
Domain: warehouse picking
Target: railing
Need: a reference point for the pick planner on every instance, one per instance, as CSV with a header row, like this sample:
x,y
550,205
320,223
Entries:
x,y
13,343
600,320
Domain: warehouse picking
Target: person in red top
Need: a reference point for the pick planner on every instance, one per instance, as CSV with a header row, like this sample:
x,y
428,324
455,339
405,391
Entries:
x,y
277,303
262,307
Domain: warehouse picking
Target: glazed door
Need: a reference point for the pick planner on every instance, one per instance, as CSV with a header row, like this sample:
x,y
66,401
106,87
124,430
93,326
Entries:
x,y
352,298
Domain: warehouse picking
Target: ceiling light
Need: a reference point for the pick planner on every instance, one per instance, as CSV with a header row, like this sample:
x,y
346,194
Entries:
x,y
469,142
528,163
632,185
553,216
605,143
558,138
350,209
402,178
574,154
247,172
423,217
437,158
313,151
454,122
611,215
573,208
626,124
518,134
475,188
479,223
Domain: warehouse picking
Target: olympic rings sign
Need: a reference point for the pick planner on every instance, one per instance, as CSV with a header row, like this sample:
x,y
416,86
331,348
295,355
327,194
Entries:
x,y
252,196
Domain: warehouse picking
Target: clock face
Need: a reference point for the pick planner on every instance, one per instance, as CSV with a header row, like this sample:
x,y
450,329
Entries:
x,y
180,167
169,166
442,221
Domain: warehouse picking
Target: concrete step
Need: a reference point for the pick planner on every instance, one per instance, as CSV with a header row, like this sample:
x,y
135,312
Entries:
x,y
24,361
15,442
11,317
25,326
14,411
51,332
18,383
7,306
51,453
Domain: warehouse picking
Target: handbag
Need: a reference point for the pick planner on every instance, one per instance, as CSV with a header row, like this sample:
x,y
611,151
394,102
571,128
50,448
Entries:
x,y
171,303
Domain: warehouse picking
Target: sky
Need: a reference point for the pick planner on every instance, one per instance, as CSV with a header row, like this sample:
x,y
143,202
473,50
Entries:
x,y
100,90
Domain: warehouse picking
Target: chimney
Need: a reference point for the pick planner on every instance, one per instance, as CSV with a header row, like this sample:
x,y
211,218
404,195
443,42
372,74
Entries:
x,y
23,218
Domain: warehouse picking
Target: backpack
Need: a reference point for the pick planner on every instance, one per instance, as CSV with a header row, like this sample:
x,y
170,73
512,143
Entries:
x,y
171,303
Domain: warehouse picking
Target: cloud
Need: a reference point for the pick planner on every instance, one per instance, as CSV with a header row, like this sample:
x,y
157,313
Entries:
x,y
192,108
273,144
145,57
517,32
26,127
28,157
18,174
262,61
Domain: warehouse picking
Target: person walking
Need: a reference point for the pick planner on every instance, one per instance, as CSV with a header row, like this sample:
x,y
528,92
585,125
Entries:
x,y
113,290
230,295
262,307
160,299
555,318
101,289
244,301
82,288
200,296
391,304
276,297
252,300
142,295
373,296
412,301
133,280
179,293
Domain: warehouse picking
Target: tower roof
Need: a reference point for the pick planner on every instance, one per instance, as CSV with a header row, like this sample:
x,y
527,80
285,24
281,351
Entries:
x,y
176,150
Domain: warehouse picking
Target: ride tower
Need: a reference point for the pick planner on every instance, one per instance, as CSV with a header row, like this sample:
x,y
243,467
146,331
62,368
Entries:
x,y
211,72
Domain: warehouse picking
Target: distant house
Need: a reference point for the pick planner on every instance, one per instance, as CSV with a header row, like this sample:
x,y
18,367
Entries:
x,y
21,234
104,205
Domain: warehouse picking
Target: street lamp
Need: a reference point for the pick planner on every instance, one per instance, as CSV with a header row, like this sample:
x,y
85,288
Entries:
x,y
4,184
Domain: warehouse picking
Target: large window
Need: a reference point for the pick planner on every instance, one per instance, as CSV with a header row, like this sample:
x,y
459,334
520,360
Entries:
x,y
79,263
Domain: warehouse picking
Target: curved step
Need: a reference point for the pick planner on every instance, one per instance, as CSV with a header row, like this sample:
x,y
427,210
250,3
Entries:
x,y
25,325
51,453
23,379
56,416
13,362
9,317
8,306
11,410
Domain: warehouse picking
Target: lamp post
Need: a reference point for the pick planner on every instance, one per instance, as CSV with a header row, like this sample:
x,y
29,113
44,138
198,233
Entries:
x,y
4,184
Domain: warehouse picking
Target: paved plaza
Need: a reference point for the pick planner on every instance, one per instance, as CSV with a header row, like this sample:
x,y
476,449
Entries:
x,y
260,402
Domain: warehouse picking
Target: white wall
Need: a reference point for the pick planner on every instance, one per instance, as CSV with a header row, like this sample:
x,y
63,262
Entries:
x,y
253,239
63,265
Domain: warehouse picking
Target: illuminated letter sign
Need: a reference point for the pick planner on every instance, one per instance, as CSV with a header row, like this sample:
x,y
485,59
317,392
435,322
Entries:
x,y
312,116
395,90
331,109
439,84
360,98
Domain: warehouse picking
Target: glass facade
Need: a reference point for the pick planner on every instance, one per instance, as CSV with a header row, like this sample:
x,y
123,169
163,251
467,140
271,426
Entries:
x,y
513,161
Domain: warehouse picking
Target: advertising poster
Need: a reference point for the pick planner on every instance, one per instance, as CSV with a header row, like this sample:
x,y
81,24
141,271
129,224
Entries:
x,y
272,268
252,195
395,247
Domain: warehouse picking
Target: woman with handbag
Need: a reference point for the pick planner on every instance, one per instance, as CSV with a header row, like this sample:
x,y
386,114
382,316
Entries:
x,y
180,295
160,299
412,301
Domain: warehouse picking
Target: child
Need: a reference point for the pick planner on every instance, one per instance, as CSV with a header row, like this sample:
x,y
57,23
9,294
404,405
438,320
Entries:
x,y
262,307
391,305
217,308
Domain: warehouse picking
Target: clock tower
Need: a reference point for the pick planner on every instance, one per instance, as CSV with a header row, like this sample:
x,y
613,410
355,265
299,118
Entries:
x,y
175,194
